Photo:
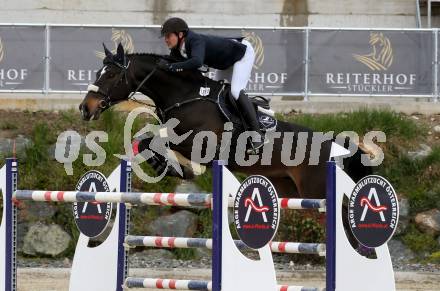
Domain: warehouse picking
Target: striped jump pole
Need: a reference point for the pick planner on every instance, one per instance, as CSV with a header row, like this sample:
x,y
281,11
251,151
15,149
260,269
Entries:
x,y
182,242
164,199
172,284
167,284
170,199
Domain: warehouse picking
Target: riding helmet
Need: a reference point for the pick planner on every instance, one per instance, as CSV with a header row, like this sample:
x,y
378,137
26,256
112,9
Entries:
x,y
174,25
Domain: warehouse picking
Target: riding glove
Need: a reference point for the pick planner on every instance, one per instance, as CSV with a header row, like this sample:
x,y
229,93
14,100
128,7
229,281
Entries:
x,y
165,65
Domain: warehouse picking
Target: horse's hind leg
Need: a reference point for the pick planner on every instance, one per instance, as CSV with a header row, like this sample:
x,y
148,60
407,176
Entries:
x,y
285,186
309,180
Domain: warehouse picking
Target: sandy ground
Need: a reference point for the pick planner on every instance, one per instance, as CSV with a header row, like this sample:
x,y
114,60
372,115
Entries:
x,y
41,279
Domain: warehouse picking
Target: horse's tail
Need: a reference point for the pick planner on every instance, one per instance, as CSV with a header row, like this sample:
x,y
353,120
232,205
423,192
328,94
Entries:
x,y
354,168
353,165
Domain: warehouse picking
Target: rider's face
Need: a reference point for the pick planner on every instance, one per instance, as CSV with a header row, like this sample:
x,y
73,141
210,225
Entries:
x,y
171,39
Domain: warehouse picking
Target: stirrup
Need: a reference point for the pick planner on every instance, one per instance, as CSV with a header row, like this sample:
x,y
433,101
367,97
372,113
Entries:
x,y
253,150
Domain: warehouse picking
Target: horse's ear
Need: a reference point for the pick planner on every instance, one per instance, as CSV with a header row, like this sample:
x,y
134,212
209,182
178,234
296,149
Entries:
x,y
120,52
107,52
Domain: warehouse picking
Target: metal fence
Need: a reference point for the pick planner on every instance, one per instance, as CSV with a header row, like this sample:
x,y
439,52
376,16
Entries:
x,y
52,58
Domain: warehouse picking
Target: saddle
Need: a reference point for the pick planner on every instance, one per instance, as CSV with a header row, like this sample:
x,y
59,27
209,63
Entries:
x,y
228,107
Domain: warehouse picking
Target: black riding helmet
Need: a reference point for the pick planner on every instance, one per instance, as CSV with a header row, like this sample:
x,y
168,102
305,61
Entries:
x,y
174,25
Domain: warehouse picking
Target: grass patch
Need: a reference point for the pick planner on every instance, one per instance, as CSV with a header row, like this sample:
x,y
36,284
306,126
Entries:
x,y
362,121
8,125
418,179
434,258
419,242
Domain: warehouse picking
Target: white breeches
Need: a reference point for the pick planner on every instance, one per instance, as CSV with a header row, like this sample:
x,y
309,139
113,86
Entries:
x,y
240,72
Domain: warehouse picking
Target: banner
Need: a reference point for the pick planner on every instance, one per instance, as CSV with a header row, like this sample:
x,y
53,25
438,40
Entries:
x,y
371,62
22,58
353,62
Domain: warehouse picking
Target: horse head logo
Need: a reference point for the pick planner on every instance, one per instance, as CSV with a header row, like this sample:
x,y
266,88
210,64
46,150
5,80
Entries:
x,y
257,44
119,36
381,56
2,50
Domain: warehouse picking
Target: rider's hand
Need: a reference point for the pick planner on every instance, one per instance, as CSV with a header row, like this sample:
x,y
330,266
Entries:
x,y
164,65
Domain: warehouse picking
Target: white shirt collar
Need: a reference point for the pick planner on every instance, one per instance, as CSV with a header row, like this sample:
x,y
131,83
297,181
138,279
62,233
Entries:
x,y
183,50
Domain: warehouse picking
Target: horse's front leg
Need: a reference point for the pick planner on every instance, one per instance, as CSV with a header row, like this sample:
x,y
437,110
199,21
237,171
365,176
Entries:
x,y
160,162
183,154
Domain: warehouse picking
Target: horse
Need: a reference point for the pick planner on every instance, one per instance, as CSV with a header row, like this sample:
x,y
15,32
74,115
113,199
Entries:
x,y
177,95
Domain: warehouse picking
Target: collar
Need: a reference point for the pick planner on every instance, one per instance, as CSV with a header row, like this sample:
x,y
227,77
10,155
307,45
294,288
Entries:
x,y
182,50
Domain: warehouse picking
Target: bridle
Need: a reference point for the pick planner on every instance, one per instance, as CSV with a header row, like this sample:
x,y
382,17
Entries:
x,y
106,101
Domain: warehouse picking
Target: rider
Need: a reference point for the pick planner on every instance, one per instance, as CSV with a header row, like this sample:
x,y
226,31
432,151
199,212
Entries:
x,y
236,55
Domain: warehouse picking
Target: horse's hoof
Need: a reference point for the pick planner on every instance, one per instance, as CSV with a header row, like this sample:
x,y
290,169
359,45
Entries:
x,y
188,174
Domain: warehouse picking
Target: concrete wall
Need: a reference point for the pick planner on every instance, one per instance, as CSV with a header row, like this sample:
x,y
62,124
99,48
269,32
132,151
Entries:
x,y
333,13
367,13
197,12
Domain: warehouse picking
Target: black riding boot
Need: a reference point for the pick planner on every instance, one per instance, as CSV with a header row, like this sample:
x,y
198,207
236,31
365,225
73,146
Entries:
x,y
250,116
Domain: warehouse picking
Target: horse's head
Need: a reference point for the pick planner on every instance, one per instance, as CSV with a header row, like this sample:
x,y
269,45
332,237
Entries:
x,y
111,85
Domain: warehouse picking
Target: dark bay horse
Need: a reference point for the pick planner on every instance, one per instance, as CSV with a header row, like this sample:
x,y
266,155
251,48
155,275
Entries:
x,y
123,74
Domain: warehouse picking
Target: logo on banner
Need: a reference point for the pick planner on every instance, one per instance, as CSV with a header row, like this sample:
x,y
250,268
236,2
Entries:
x,y
373,211
10,77
378,60
92,218
260,81
256,212
381,56
257,44
79,77
119,36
